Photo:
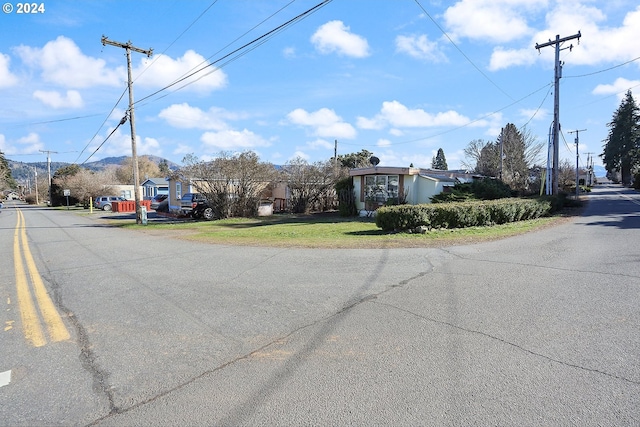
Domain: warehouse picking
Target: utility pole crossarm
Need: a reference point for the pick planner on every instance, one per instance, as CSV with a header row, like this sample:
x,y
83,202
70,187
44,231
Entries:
x,y
127,45
134,153
559,40
556,105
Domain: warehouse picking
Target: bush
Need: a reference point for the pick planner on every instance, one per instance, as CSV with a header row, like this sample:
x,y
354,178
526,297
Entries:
x,y
479,189
461,214
346,197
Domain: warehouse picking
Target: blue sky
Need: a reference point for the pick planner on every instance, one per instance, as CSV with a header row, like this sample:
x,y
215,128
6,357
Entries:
x,y
400,78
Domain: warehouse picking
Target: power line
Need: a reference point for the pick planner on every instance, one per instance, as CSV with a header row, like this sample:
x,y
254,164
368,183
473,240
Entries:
x,y
99,128
122,121
605,70
241,48
461,52
54,121
125,90
468,123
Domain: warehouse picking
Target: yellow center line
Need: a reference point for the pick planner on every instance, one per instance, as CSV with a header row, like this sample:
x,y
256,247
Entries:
x,y
30,322
55,325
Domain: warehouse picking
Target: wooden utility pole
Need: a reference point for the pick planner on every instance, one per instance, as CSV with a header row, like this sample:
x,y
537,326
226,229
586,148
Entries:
x,y
577,132
49,171
134,154
556,102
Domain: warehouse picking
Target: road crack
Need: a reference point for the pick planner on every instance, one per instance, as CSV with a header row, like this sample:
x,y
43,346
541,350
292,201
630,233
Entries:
x,y
517,346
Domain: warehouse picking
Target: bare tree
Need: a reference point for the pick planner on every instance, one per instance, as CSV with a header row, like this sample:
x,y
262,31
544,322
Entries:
x,y
83,183
308,183
232,183
146,167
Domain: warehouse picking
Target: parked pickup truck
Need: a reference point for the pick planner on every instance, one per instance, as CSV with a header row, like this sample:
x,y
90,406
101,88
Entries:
x,y
196,205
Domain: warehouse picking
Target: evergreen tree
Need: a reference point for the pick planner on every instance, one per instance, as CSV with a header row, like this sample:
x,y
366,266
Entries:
x,y
520,151
439,162
622,147
355,160
6,178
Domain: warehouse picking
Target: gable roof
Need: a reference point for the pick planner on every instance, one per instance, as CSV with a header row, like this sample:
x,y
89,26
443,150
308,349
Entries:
x,y
383,170
156,181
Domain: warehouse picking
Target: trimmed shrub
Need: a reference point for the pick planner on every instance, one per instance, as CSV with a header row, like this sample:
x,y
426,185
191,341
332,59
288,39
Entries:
x,y
461,214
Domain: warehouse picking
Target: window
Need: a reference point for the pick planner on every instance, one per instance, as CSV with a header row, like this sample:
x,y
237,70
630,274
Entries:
x,y
380,188
178,190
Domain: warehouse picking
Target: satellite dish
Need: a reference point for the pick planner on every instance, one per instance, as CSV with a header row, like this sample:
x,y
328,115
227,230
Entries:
x,y
374,160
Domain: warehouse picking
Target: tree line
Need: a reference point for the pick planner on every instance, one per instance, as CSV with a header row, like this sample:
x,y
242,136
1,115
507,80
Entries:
x,y
621,154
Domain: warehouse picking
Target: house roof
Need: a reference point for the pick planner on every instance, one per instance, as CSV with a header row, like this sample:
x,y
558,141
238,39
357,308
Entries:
x,y
155,181
383,170
440,178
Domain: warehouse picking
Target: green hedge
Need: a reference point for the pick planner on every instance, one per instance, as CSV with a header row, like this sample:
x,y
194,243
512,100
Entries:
x,y
460,215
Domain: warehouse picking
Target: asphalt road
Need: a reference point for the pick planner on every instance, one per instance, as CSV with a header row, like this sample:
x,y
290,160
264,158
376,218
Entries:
x,y
539,329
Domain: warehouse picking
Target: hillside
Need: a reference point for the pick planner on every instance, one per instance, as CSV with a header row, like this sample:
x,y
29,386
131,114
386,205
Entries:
x,y
23,172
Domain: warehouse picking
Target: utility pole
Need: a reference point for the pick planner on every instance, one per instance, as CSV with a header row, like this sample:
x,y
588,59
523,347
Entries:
x,y
590,168
134,154
49,170
35,172
556,101
577,132
501,150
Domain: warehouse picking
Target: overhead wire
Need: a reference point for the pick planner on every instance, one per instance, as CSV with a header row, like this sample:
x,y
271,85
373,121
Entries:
x,y
229,44
99,128
260,39
469,122
122,121
138,76
461,51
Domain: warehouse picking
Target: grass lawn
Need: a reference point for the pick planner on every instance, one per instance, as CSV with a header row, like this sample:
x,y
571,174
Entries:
x,y
329,231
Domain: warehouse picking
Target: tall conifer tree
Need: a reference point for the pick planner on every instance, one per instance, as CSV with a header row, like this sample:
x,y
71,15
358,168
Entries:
x,y
621,152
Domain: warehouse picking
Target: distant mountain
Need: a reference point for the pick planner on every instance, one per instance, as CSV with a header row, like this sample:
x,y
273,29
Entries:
x,y
23,172
599,171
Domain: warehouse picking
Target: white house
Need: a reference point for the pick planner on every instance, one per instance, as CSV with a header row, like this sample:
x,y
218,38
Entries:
x,y
376,186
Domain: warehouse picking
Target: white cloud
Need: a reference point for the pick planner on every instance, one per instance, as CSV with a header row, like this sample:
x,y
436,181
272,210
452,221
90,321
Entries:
x,y
496,20
395,114
597,45
324,123
62,63
185,116
320,144
419,47
371,124
619,87
289,52
233,140
299,154
334,36
183,150
26,145
54,99
162,70
503,58
119,144
7,79
534,114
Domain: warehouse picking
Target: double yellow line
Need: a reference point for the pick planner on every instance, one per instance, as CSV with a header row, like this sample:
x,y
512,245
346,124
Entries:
x,y
31,322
